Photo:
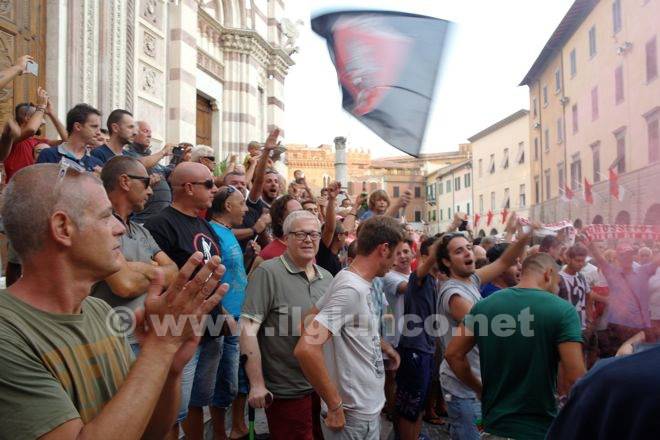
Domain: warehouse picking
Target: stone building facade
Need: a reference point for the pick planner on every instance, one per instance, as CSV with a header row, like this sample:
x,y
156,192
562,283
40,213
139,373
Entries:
x,y
201,71
501,171
594,106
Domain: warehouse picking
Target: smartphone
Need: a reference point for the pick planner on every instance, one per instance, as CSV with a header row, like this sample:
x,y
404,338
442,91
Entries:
x,y
32,68
463,226
177,155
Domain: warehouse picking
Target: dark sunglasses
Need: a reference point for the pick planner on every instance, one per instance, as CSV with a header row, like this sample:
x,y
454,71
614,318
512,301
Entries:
x,y
211,158
146,181
208,184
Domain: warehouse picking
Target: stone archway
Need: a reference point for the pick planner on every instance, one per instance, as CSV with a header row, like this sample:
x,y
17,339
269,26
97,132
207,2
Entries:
x,y
652,216
598,220
622,218
482,233
493,231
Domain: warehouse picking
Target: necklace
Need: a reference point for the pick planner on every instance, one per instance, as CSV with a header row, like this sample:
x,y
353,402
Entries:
x,y
222,223
353,269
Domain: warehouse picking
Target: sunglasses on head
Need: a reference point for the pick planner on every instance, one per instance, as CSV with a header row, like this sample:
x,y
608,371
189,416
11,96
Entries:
x,y
224,194
146,181
208,184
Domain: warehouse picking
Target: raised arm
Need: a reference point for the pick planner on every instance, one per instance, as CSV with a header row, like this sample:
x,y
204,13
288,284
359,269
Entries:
x,y
10,73
151,161
351,217
424,268
510,227
61,129
330,217
404,200
37,118
260,170
515,250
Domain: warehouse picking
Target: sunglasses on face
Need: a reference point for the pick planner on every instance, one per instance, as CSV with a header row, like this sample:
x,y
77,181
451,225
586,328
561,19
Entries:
x,y
208,184
146,181
211,158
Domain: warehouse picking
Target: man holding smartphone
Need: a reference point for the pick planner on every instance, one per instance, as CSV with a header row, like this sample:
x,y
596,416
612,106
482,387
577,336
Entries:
x,y
30,118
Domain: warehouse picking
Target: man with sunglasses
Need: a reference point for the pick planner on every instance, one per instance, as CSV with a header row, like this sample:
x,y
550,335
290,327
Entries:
x,y
456,297
204,154
127,183
180,232
283,290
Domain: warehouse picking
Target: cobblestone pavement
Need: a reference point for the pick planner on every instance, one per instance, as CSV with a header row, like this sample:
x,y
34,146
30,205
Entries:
x,y
261,427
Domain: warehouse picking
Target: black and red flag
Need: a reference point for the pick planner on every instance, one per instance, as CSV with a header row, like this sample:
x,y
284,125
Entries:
x,y
387,65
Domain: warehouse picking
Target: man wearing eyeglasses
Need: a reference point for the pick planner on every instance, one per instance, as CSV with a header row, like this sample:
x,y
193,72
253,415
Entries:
x,y
180,232
127,183
283,290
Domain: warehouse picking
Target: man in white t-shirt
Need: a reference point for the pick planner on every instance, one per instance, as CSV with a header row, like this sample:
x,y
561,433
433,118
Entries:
x,y
340,349
395,283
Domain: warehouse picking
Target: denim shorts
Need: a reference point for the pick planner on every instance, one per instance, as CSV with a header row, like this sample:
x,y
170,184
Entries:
x,y
413,379
205,374
463,414
230,379
218,377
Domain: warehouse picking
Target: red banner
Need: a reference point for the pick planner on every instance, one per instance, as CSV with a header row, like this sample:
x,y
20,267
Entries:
x,y
618,232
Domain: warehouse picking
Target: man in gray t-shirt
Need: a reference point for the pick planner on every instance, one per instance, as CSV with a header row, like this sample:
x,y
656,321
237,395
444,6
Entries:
x,y
340,350
455,299
127,183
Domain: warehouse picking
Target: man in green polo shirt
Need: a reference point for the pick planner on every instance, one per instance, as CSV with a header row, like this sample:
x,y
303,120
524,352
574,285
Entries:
x,y
523,333
280,293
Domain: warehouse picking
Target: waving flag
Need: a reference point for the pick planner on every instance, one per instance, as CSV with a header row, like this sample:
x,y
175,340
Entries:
x,y
387,65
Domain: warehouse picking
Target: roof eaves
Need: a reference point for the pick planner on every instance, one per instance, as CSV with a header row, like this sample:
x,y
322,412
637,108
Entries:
x,y
499,124
577,13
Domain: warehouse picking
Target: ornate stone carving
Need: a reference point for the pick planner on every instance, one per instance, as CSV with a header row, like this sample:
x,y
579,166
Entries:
x,y
130,52
150,12
118,54
7,9
150,81
90,44
149,45
6,51
210,65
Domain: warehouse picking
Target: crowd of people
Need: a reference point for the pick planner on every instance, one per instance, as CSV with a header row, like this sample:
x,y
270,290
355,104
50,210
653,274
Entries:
x,y
327,310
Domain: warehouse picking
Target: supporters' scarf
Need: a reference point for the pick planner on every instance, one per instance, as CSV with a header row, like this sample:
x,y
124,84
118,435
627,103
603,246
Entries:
x,y
617,232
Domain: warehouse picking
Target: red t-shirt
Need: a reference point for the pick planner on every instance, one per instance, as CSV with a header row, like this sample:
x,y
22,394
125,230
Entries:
x,y
273,249
21,155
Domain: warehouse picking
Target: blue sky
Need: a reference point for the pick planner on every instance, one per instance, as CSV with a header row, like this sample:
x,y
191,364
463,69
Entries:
x,y
493,45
